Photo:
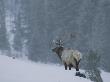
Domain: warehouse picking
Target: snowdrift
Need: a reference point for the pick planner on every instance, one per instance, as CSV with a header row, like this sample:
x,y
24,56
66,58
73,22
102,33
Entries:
x,y
14,70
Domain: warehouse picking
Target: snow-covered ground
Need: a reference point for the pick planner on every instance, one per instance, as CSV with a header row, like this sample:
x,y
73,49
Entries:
x,y
14,70
105,76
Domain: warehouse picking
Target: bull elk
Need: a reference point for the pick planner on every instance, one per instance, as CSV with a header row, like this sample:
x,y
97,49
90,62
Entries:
x,y
69,57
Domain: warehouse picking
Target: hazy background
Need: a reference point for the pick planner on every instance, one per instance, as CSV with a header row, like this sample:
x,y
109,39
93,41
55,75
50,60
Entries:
x,y
28,27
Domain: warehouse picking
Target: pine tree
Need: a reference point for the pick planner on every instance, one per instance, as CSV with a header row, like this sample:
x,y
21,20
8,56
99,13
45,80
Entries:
x,y
93,62
4,45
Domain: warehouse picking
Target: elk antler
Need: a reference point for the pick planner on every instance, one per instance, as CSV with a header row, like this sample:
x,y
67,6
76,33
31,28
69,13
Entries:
x,y
59,42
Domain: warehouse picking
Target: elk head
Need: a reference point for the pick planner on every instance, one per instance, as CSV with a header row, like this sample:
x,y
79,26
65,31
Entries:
x,y
59,48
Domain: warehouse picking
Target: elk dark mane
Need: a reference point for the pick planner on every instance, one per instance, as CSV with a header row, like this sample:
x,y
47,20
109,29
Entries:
x,y
58,51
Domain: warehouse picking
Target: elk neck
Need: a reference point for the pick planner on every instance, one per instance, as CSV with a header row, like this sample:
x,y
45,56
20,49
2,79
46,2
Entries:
x,y
59,51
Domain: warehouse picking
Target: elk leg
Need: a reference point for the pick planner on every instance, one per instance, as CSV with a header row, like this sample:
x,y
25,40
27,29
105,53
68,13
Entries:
x,y
77,68
77,64
65,66
70,66
78,61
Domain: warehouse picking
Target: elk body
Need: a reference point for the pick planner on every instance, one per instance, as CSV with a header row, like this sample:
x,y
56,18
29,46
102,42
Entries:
x,y
69,57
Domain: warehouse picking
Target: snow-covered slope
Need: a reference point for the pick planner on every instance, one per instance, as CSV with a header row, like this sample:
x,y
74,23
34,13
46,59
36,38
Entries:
x,y
105,76
13,70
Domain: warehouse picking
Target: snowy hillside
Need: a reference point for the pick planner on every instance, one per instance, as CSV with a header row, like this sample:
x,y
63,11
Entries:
x,y
13,70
